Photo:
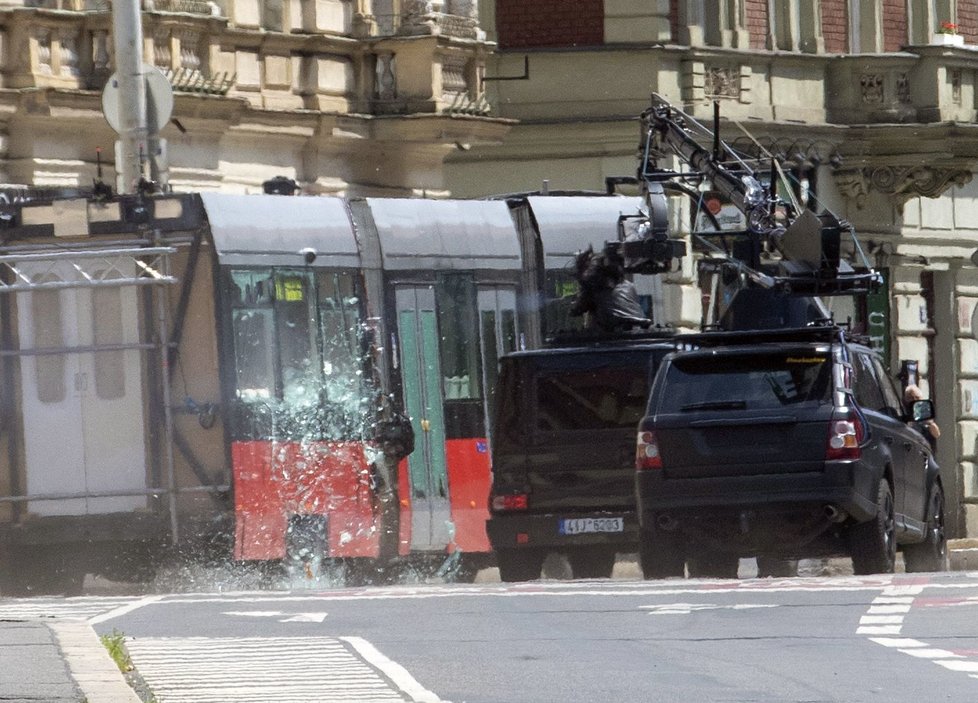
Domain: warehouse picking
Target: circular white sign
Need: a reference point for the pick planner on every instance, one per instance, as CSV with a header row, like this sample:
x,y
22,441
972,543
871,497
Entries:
x,y
159,100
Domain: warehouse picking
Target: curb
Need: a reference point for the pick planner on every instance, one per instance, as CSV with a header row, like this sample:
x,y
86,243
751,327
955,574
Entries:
x,y
90,664
962,554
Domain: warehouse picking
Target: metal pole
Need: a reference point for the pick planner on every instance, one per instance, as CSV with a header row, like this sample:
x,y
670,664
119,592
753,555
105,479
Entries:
x,y
127,32
171,479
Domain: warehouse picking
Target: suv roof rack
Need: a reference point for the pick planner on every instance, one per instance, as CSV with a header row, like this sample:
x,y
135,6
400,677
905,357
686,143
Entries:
x,y
567,338
829,332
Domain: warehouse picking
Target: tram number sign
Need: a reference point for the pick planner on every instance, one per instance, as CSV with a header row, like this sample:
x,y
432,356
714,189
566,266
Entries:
x,y
583,525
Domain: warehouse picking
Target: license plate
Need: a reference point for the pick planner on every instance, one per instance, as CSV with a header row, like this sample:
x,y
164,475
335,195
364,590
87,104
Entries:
x,y
584,525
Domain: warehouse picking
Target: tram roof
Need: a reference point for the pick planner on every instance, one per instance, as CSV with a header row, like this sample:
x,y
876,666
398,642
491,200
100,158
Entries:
x,y
567,224
274,230
445,234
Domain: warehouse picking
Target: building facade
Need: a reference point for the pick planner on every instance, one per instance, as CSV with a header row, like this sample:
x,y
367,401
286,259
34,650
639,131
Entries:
x,y
343,96
873,102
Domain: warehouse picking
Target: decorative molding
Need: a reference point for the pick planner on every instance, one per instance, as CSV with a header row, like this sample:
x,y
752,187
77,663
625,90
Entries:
x,y
903,88
871,86
902,183
912,181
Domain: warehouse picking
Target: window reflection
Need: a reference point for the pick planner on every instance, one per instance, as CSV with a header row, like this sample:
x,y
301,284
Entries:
x,y
299,366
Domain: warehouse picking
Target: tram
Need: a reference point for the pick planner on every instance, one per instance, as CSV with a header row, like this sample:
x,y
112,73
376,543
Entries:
x,y
305,380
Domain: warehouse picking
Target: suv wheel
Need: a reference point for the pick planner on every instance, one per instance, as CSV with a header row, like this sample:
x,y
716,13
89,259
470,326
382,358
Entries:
x,y
591,562
519,564
931,554
660,556
714,565
872,544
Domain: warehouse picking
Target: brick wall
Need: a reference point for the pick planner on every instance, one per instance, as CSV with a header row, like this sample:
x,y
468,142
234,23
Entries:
x,y
835,26
968,20
523,24
757,22
894,25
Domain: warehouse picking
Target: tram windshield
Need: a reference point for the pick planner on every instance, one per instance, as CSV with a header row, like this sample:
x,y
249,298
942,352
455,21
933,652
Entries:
x,y
298,358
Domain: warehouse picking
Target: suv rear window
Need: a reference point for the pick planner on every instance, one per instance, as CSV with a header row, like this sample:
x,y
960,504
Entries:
x,y
594,395
749,381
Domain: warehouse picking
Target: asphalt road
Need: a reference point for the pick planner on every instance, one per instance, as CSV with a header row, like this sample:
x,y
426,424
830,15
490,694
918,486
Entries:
x,y
838,638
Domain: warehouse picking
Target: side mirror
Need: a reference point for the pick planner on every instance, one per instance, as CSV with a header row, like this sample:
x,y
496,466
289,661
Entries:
x,y
922,410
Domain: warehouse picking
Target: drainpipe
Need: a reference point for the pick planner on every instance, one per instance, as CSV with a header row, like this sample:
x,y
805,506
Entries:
x,y
131,148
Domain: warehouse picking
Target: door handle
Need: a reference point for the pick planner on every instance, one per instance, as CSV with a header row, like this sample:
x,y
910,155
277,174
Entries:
x,y
425,425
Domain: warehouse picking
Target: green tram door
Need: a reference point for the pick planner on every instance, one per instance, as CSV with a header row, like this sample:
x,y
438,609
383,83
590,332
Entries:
x,y
417,325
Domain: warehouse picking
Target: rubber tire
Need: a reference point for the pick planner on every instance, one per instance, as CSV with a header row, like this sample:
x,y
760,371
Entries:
x,y
931,554
713,565
519,564
660,556
592,562
872,544
774,567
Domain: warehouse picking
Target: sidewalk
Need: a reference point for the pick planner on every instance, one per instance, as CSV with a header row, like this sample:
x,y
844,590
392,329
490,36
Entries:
x,y
57,662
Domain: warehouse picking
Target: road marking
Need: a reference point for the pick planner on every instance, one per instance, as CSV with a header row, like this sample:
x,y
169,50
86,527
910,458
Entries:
x,y
898,600
394,671
271,670
80,608
122,610
281,615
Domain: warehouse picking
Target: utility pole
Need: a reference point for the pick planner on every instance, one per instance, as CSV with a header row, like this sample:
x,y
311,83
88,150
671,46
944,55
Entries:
x,y
131,148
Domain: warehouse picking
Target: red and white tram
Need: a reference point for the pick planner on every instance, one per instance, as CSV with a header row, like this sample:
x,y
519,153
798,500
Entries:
x,y
177,367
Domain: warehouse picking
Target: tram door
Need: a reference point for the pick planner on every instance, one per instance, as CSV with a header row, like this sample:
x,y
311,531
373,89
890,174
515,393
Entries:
x,y
417,326
82,392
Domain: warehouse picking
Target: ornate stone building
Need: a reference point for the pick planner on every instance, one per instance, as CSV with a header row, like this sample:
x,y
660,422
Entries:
x,y
873,102
344,96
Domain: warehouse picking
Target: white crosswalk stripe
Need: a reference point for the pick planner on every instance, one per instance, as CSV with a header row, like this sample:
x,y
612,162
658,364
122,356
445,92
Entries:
x,y
259,670
81,608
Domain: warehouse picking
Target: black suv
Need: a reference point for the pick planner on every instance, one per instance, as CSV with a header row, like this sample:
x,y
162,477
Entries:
x,y
563,454
783,444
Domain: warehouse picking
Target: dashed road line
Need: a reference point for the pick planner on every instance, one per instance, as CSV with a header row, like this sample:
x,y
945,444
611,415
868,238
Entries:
x,y
885,617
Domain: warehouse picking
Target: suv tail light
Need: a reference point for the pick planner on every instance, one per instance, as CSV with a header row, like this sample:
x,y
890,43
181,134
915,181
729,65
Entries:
x,y
647,451
510,501
845,436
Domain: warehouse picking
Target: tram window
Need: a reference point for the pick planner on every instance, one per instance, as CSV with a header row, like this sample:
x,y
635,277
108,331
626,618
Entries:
x,y
339,321
295,322
561,288
489,343
254,343
509,331
110,369
49,368
297,352
455,299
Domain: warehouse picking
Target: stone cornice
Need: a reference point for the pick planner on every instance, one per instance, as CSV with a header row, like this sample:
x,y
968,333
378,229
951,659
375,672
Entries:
x,y
901,183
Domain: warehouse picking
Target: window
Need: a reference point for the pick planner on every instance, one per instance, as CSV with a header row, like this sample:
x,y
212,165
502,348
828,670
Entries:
x,y
455,299
48,368
561,287
298,362
748,382
110,366
575,393
865,386
891,399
